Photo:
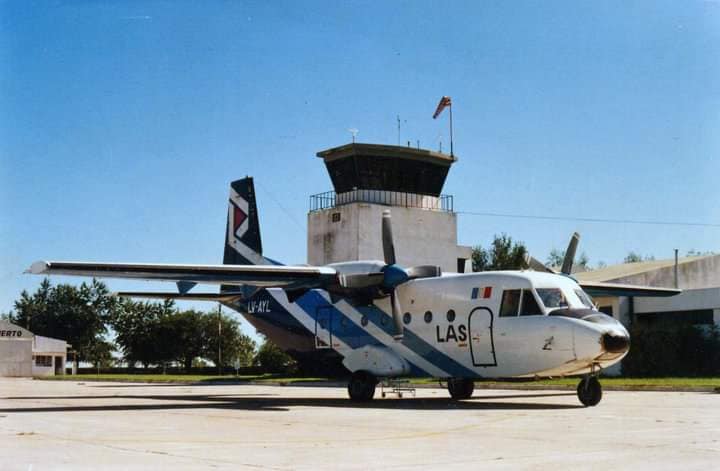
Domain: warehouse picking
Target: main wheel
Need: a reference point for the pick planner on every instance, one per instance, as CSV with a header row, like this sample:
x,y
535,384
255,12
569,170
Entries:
x,y
361,387
589,391
461,388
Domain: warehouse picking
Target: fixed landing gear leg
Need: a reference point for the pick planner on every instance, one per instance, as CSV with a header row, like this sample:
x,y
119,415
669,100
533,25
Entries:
x,y
589,390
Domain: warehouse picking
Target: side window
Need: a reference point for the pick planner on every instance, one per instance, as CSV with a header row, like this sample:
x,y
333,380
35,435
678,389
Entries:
x,y
529,305
510,303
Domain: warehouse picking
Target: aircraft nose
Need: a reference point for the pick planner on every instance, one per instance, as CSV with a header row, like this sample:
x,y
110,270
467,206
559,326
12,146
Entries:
x,y
616,342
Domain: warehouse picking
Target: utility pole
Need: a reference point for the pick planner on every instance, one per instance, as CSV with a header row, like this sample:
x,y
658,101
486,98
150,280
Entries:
x,y
219,339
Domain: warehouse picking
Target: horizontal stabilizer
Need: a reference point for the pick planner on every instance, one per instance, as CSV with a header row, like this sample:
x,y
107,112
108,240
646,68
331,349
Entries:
x,y
594,288
227,296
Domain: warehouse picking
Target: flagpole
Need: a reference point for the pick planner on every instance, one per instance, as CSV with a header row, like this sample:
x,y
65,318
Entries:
x,y
451,131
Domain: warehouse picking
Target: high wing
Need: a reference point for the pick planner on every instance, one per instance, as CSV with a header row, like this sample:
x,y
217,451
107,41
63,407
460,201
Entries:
x,y
594,288
265,276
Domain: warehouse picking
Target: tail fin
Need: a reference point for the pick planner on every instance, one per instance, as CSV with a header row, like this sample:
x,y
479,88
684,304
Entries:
x,y
243,245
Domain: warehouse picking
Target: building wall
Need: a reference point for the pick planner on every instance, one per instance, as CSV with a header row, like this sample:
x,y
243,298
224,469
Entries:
x,y
421,236
16,357
696,274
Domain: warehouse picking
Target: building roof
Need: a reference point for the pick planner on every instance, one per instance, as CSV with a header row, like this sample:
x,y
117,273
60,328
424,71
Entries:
x,y
624,270
384,150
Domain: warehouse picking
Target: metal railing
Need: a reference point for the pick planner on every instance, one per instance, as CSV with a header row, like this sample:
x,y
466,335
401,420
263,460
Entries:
x,y
330,199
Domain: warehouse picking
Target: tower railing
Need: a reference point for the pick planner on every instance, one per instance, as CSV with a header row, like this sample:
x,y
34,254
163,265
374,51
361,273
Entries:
x,y
330,199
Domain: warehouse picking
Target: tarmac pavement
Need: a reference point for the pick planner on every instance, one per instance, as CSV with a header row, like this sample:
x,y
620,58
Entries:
x,y
68,425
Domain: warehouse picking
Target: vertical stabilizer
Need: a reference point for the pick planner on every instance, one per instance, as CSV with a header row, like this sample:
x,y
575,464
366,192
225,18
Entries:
x,y
243,245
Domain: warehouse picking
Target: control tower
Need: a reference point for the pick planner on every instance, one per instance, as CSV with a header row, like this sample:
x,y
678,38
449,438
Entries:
x,y
345,224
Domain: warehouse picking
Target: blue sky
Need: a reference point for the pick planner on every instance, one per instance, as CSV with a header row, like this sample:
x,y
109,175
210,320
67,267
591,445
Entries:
x,y
122,123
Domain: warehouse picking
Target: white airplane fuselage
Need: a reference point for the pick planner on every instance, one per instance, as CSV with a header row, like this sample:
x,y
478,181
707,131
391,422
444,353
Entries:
x,y
457,326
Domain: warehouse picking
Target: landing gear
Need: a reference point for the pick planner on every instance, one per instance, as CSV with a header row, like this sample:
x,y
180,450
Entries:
x,y
361,387
589,391
460,388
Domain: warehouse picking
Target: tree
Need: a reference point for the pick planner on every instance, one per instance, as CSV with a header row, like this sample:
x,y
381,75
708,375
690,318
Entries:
x,y
503,254
77,315
273,360
143,332
634,257
235,346
556,258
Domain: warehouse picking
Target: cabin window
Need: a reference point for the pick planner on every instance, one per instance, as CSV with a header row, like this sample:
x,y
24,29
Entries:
x,y
450,315
428,317
364,321
552,297
407,318
510,303
529,305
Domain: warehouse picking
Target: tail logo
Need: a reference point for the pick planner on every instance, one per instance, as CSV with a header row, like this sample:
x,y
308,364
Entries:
x,y
237,229
239,217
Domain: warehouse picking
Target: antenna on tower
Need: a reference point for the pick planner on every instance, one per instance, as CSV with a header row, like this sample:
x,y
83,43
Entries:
x,y
354,132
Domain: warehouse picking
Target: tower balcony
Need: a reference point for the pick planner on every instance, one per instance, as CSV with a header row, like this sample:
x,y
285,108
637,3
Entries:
x,y
331,199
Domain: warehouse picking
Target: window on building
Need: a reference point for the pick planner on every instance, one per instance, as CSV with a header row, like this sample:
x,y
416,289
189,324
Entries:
x,y
510,303
43,360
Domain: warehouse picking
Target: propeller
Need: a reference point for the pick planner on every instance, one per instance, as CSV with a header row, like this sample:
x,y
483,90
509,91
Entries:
x,y
567,263
376,279
394,275
570,254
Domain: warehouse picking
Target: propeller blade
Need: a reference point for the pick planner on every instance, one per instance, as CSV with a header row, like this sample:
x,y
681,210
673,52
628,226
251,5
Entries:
x,y
361,280
570,254
535,264
387,238
424,271
397,316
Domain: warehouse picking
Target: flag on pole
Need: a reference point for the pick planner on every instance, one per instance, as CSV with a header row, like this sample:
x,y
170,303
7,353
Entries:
x,y
444,102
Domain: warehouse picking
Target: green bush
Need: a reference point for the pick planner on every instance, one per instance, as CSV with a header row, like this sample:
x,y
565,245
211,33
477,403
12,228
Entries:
x,y
673,350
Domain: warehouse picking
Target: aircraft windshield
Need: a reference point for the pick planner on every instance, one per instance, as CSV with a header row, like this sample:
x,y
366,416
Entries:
x,y
584,298
552,297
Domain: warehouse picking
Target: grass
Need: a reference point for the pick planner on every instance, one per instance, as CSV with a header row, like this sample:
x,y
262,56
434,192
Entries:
x,y
181,378
678,383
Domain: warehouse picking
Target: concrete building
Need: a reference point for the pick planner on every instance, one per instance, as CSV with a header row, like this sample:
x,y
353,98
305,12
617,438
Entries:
x,y
23,354
345,224
16,346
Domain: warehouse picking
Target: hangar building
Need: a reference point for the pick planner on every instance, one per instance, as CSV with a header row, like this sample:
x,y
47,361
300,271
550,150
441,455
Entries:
x,y
345,224
698,277
24,354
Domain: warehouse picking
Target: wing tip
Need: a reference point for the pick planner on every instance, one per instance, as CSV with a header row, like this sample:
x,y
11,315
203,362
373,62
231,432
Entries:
x,y
38,268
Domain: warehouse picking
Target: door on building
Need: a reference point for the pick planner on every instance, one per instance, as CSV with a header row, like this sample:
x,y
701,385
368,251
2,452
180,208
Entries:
x,y
323,326
482,347
59,366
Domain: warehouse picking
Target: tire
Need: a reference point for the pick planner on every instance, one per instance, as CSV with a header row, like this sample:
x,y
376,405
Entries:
x,y
361,387
589,391
461,388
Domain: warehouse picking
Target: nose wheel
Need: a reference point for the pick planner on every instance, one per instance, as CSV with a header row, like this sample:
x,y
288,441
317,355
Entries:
x,y
589,391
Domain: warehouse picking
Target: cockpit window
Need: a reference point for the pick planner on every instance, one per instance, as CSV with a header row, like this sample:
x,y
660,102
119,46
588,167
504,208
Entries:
x,y
585,299
529,305
552,297
510,303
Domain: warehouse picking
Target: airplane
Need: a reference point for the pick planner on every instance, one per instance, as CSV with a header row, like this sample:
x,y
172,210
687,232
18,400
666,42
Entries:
x,y
385,321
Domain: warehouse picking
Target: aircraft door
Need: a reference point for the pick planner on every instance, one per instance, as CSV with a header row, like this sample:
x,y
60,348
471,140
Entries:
x,y
482,346
323,327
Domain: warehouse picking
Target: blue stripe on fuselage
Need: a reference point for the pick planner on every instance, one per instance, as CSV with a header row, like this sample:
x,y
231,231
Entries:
x,y
415,343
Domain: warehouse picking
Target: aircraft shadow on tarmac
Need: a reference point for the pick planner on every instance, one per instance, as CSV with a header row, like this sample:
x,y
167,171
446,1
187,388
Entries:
x,y
270,402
